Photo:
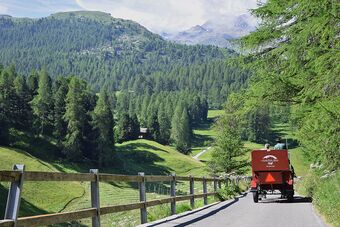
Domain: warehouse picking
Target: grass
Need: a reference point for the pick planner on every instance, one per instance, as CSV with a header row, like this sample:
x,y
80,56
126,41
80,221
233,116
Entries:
x,y
204,135
157,159
135,156
325,192
35,195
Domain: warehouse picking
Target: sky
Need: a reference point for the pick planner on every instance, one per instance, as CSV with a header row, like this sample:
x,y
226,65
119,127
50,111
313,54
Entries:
x,y
156,15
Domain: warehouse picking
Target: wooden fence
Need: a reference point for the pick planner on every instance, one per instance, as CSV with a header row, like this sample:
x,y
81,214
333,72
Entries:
x,y
18,175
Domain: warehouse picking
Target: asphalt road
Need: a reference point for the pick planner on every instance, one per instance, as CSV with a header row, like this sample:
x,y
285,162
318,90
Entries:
x,y
244,212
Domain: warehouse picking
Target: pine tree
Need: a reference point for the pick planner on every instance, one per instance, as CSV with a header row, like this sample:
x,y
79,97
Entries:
x,y
4,102
180,129
7,98
33,83
176,124
144,110
75,116
134,127
185,142
59,97
164,125
23,112
42,104
123,127
4,127
103,123
153,127
228,152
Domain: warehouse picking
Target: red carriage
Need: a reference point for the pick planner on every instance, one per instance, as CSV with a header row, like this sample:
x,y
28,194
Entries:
x,y
271,171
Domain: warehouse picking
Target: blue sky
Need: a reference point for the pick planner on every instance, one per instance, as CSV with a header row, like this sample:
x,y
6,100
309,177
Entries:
x,y
156,15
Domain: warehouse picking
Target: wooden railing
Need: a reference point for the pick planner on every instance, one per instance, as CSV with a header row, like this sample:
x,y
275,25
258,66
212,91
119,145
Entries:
x,y
17,177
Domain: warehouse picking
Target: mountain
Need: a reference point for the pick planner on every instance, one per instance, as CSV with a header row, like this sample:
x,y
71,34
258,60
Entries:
x,y
103,50
219,33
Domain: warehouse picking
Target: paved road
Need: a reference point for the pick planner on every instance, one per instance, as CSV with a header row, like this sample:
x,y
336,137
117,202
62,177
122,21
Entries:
x,y
202,152
244,212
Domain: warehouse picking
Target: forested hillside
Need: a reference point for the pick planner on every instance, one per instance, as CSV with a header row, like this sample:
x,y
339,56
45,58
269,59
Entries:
x,y
114,54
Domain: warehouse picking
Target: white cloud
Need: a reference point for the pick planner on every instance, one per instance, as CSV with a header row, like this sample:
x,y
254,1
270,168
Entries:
x,y
172,15
3,9
37,8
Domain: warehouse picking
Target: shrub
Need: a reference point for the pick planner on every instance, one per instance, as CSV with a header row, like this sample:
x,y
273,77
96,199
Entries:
x,y
228,192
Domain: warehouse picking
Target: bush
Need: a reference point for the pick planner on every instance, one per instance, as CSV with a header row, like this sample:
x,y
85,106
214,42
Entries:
x,y
228,192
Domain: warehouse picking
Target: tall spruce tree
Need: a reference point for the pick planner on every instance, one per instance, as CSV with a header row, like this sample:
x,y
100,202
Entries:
x,y
75,116
6,92
176,124
23,112
134,127
184,144
33,83
42,104
59,97
7,98
123,127
180,129
164,125
103,124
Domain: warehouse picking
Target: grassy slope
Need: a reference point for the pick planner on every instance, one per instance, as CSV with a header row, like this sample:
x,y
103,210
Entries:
x,y
137,156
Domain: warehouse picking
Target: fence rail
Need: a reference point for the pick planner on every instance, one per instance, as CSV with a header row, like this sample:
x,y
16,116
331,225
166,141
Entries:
x,y
17,177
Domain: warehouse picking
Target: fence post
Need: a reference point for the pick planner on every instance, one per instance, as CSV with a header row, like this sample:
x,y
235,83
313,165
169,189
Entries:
x,y
95,201
226,182
14,195
205,198
173,194
219,183
215,184
142,198
192,192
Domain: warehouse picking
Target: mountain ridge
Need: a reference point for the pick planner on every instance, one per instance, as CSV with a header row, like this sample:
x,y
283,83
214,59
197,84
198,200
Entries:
x,y
103,50
218,33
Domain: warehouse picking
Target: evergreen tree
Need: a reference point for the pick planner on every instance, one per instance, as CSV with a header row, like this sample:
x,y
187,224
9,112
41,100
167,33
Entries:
x,y
7,98
59,96
184,144
103,123
42,104
33,83
123,127
153,127
22,113
175,124
134,127
228,151
4,127
164,125
180,129
75,116
4,121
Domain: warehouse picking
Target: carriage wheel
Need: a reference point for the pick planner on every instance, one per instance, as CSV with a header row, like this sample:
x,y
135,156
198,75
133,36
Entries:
x,y
290,196
256,196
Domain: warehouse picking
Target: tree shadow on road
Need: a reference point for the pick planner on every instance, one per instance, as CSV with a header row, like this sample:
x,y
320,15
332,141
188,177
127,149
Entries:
x,y
211,213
